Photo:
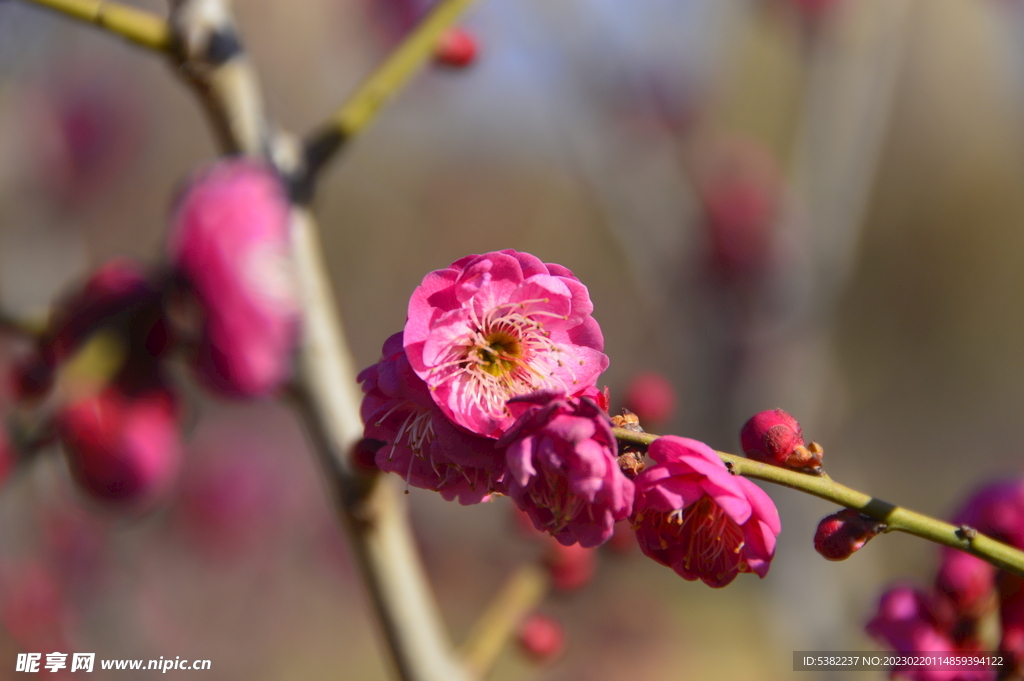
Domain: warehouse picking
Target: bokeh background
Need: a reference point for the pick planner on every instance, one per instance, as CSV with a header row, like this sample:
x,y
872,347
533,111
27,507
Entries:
x,y
809,204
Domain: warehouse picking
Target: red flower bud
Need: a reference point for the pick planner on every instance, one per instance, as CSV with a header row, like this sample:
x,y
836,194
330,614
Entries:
x,y
776,438
120,448
541,638
651,397
841,534
571,567
456,49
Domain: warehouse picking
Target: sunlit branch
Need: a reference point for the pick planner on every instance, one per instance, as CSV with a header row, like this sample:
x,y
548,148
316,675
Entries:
x,y
383,84
520,595
895,517
135,25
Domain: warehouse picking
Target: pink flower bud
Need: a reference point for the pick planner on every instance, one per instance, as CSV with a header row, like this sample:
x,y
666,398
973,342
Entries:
x,y
541,638
456,49
229,241
841,534
651,397
775,437
120,448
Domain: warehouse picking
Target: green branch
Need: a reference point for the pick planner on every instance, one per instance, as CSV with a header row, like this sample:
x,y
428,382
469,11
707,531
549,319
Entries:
x,y
135,25
895,517
383,84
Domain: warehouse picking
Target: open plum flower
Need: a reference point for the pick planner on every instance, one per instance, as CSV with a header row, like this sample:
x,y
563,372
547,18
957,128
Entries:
x,y
422,445
694,516
562,468
494,326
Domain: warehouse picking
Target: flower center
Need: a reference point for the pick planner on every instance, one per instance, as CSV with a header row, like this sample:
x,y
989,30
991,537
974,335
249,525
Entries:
x,y
709,540
506,352
499,353
551,491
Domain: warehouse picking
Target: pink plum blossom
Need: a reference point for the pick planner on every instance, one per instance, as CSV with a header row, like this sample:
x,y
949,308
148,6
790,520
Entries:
x,y
692,515
422,444
563,469
229,241
494,326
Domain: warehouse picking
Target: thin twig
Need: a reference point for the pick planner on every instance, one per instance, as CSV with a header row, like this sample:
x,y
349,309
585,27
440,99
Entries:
x,y
383,84
520,595
216,65
135,25
895,517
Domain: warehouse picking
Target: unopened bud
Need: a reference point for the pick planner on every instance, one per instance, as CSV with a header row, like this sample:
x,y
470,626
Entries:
x,y
651,397
541,638
571,567
456,49
841,534
122,448
775,437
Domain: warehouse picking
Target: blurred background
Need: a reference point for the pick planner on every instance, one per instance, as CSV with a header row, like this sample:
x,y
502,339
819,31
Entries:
x,y
816,205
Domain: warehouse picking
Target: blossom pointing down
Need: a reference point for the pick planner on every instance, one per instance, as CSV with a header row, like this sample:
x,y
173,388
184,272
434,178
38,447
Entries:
x,y
695,517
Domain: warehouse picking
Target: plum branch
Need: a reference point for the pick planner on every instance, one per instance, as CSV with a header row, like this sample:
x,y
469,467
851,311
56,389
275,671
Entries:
x,y
896,518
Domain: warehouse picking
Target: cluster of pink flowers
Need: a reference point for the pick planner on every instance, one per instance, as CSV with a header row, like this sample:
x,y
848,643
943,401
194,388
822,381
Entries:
x,y
492,389
227,297
967,591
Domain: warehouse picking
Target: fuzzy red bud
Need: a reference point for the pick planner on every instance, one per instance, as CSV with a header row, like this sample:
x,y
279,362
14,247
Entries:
x,y
456,49
541,638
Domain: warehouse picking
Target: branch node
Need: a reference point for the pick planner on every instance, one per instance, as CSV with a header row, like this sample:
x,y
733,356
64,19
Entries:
x,y
966,533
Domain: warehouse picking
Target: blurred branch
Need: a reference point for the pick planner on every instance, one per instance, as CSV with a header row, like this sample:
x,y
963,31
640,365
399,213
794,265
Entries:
x,y
520,595
895,517
383,84
13,325
135,25
214,62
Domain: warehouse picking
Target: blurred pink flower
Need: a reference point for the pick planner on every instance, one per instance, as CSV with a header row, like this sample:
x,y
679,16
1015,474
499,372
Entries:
x,y
229,241
422,444
563,469
493,326
651,397
905,622
34,609
692,515
122,448
996,509
964,584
